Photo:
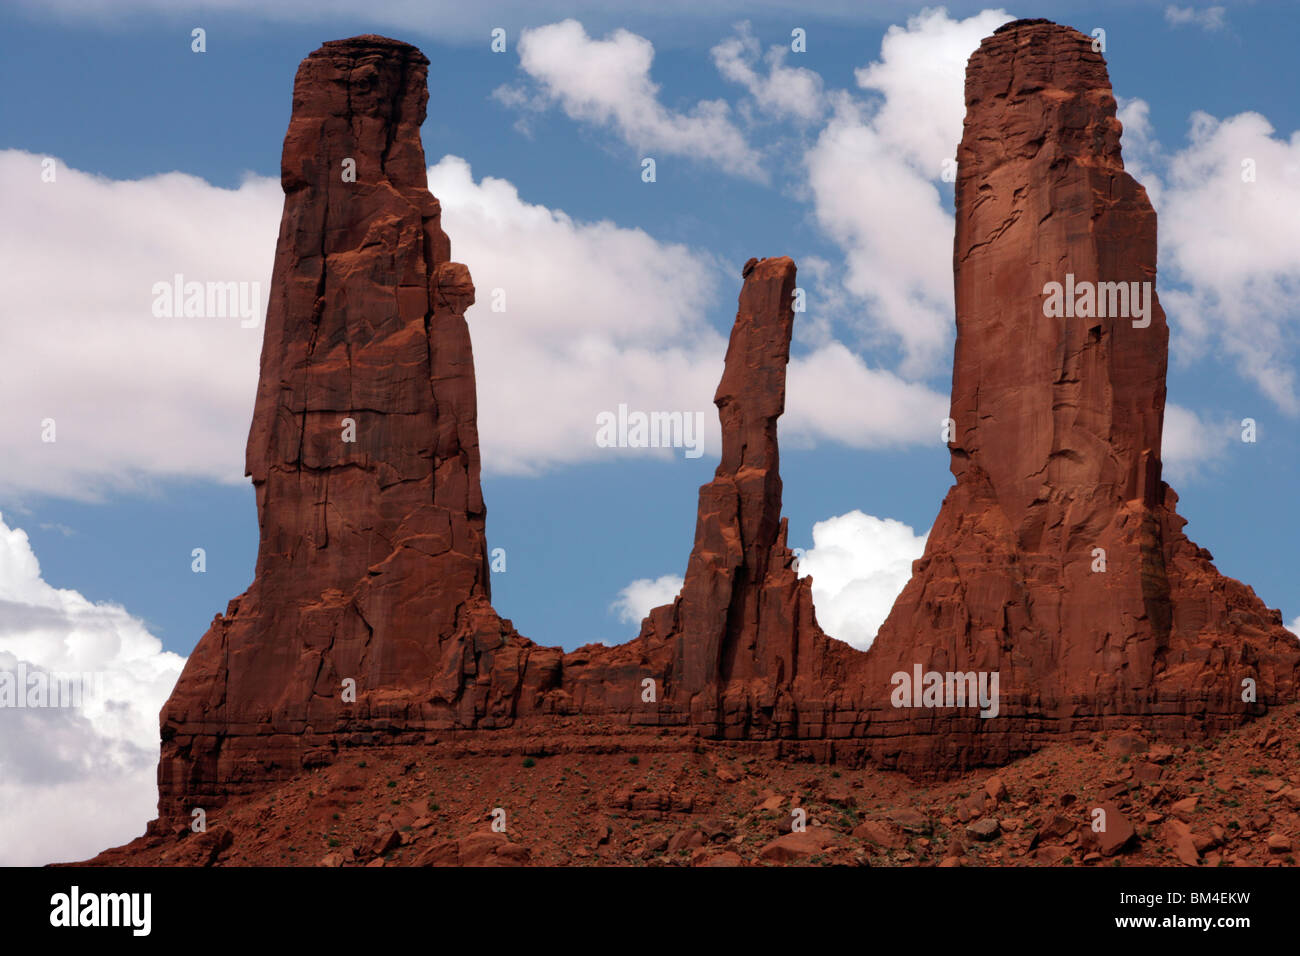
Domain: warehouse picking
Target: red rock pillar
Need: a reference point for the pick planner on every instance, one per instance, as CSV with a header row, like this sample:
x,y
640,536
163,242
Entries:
x,y
1057,559
372,560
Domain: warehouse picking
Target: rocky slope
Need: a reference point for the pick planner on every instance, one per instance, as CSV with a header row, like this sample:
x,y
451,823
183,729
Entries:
x,y
1233,802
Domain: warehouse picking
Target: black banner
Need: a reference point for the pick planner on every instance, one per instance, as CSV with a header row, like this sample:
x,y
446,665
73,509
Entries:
x,y
946,907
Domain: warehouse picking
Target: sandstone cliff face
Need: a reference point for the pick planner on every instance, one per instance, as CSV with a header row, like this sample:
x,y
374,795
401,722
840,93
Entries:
x,y
1056,445
372,566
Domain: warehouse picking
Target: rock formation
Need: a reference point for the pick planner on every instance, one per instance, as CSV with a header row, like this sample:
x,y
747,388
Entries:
x,y
743,627
363,450
1058,558
369,620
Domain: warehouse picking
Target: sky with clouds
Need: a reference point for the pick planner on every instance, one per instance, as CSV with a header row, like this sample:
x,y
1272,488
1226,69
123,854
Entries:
x,y
615,291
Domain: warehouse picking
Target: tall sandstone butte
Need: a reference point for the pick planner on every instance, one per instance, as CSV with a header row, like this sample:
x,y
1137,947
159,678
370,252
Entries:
x,y
1056,448
372,562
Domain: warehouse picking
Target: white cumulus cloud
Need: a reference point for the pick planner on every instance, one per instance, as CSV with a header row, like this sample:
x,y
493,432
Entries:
x,y
586,324
130,396
866,408
1229,246
859,564
640,597
1141,150
1191,443
1232,241
874,175
607,83
74,780
783,91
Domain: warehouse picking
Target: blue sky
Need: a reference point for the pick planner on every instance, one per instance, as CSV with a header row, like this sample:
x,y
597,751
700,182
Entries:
x,y
155,445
